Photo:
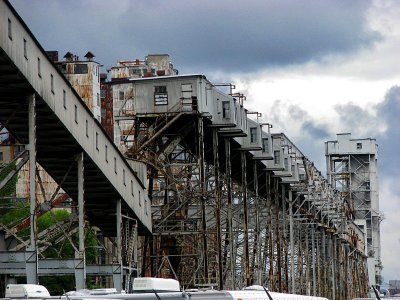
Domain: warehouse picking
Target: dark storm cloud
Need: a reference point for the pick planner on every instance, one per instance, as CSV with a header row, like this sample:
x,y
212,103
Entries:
x,y
389,141
353,116
316,131
384,128
205,35
311,136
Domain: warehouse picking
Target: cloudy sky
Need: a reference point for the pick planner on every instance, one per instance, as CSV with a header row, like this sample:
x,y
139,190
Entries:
x,y
313,68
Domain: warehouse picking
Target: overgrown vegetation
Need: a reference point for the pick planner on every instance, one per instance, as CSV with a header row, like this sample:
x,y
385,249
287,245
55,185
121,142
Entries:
x,y
13,212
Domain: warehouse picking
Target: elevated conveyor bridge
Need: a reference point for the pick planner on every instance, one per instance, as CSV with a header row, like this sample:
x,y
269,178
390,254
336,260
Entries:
x,y
39,107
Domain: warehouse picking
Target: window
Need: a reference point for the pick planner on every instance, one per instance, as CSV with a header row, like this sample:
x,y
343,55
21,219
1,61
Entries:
x,y
98,99
9,30
277,157
106,152
123,177
121,95
253,134
103,112
140,199
97,141
25,49
87,128
38,63
226,110
160,95
80,69
115,165
265,147
359,146
132,188
63,68
52,83
76,114
1,156
286,160
65,99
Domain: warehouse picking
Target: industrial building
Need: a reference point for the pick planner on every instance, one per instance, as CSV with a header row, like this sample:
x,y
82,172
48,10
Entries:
x,y
182,180
353,171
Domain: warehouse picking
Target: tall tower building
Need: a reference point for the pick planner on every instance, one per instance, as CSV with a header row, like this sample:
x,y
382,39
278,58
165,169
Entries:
x,y
84,76
352,171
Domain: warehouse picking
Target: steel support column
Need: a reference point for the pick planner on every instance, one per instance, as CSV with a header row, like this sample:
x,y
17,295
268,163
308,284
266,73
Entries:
x,y
203,198
32,262
118,279
291,235
218,209
247,276
314,271
80,271
230,214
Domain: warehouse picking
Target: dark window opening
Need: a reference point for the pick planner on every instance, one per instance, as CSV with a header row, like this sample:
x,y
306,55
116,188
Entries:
x,y
253,134
9,29
265,147
39,70
80,69
64,99
25,49
52,83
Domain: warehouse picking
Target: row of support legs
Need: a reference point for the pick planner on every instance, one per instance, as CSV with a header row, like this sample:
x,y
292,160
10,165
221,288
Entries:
x,y
32,260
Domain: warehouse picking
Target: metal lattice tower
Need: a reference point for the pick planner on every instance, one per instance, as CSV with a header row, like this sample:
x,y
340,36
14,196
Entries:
x,y
352,171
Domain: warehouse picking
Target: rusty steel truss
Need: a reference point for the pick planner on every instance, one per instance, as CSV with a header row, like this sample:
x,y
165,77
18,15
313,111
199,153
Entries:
x,y
221,219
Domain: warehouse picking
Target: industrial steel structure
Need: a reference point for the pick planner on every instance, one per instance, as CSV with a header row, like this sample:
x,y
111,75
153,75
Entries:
x,y
57,131
232,203
203,191
352,170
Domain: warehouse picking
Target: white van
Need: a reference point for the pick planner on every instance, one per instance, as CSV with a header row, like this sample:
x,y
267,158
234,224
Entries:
x,y
26,291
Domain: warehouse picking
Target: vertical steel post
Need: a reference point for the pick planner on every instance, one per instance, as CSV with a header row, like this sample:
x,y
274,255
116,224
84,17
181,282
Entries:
x,y
218,209
314,271
291,235
230,215
257,240
118,281
32,258
203,198
332,246
80,270
245,220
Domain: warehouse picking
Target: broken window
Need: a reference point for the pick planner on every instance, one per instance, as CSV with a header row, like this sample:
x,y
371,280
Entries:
x,y
160,95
